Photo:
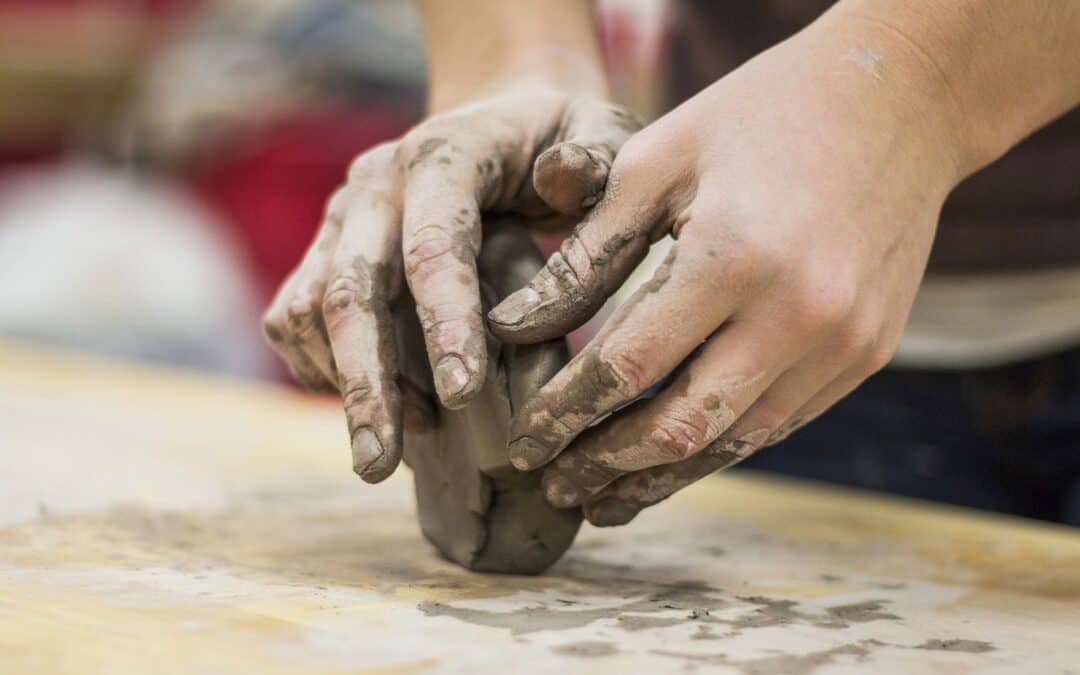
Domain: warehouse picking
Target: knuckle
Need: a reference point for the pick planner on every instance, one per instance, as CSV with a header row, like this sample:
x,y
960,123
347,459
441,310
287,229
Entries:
x,y
880,354
678,435
354,286
857,337
450,322
623,371
571,265
273,327
356,391
824,306
433,248
373,163
750,265
302,315
337,205
343,292
422,143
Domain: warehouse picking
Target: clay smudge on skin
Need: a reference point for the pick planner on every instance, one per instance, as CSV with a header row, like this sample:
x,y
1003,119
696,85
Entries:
x,y
617,447
551,420
662,274
866,59
425,149
621,502
625,121
273,333
569,177
560,293
373,409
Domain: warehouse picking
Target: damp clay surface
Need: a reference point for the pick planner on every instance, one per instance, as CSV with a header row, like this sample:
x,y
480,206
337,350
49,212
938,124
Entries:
x,y
473,506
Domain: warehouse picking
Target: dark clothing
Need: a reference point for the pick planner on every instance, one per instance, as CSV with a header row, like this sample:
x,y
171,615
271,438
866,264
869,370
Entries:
x,y
1020,213
1004,439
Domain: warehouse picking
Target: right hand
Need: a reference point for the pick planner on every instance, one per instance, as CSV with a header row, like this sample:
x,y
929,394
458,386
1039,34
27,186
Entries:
x,y
412,208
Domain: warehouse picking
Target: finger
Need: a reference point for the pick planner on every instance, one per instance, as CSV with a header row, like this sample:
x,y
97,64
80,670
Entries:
x,y
570,176
591,263
621,501
305,310
441,240
364,283
641,343
775,413
293,323
276,330
869,349
820,402
719,383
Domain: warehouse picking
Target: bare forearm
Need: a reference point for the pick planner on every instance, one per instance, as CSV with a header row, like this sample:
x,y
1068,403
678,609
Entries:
x,y
477,46
1003,69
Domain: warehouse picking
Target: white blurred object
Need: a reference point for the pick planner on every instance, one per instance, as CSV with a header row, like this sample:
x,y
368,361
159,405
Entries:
x,y
94,259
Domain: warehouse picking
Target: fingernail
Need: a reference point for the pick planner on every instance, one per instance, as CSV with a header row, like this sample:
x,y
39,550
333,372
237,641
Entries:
x,y
451,377
526,454
515,307
366,450
560,491
610,512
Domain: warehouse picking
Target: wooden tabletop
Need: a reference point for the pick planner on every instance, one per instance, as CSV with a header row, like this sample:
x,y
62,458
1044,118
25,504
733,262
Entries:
x,y
154,521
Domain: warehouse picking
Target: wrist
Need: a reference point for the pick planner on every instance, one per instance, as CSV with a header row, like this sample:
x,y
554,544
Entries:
x,y
901,90
477,48
989,72
557,70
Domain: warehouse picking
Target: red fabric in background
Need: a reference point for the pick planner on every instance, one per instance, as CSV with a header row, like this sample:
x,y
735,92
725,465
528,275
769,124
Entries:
x,y
152,6
273,189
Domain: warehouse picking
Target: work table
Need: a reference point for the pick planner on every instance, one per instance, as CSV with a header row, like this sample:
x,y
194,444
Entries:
x,y
157,521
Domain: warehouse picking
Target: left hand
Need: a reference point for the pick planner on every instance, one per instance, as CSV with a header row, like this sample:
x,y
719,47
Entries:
x,y
804,191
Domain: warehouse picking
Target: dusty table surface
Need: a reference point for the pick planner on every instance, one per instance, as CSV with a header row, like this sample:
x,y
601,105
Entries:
x,y
159,522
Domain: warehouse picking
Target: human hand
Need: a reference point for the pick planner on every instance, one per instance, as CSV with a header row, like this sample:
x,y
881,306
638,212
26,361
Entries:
x,y
804,191
411,210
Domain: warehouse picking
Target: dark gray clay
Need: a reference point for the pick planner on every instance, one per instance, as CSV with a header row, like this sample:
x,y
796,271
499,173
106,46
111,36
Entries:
x,y
477,509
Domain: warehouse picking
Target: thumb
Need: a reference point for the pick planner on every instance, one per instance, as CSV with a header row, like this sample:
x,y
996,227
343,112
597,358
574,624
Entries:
x,y
571,175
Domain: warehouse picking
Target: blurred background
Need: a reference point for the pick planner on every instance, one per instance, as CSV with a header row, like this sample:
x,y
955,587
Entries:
x,y
164,163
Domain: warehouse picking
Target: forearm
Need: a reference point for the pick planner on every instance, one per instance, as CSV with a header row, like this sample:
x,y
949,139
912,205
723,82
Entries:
x,y
1002,69
475,47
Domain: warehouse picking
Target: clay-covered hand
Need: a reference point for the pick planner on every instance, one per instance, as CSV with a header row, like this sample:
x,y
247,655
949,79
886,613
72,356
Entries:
x,y
803,191
410,211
